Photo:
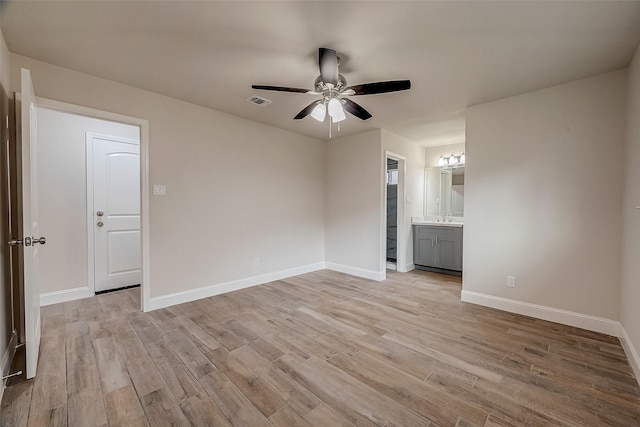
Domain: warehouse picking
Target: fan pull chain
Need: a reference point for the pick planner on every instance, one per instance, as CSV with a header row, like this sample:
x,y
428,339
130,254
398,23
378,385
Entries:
x,y
330,126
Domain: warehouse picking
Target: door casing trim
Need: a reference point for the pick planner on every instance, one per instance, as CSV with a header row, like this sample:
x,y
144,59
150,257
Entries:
x,y
143,124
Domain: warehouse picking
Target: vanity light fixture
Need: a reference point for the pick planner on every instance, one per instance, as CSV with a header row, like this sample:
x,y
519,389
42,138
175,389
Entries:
x,y
451,160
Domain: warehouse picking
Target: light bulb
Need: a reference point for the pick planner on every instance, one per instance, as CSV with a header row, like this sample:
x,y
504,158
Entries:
x,y
452,160
335,110
442,161
319,112
462,158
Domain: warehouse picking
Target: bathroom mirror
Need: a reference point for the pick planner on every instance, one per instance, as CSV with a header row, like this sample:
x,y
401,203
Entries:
x,y
444,191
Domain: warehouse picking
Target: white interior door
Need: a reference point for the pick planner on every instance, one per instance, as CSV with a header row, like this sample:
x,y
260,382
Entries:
x,y
30,232
116,213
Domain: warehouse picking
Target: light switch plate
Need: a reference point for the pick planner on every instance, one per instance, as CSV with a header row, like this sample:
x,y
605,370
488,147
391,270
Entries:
x,y
159,190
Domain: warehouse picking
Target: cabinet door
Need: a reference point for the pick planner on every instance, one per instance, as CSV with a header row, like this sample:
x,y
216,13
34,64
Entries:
x,y
424,243
449,249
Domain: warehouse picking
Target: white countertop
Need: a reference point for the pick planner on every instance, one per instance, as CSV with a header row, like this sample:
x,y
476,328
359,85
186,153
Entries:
x,y
425,221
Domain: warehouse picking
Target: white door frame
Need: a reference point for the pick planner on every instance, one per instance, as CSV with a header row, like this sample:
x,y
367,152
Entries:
x,y
401,252
144,181
91,274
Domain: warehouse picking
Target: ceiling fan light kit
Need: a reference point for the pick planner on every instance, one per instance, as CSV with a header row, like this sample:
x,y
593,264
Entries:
x,y
335,110
333,87
319,112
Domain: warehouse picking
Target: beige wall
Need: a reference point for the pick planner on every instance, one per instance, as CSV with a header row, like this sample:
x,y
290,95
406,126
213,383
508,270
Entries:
x,y
354,202
236,189
630,283
62,189
432,154
543,196
414,185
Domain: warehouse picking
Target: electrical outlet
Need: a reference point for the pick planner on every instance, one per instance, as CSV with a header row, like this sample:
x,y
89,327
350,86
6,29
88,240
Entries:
x,y
256,262
511,281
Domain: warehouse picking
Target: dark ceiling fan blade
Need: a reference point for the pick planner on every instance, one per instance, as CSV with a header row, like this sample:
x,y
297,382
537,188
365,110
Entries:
x,y
380,87
307,110
280,88
328,61
356,109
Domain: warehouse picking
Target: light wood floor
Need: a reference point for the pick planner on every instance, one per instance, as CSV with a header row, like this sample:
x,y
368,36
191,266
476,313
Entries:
x,y
321,349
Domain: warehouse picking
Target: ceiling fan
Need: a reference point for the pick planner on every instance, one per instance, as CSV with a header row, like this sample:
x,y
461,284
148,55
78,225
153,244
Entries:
x,y
333,87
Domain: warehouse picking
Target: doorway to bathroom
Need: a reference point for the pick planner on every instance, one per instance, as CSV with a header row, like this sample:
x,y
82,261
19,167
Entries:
x,y
392,213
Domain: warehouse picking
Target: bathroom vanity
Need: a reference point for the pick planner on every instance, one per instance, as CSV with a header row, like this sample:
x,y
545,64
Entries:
x,y
437,237
437,246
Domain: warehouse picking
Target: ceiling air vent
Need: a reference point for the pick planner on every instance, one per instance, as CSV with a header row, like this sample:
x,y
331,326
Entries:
x,y
258,100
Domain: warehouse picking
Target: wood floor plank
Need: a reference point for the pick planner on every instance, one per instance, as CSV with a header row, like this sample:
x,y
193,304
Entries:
x,y
123,406
55,417
162,410
320,349
201,339
249,384
111,368
407,390
286,416
324,415
202,411
180,382
142,371
14,411
84,401
297,397
234,405
50,385
195,361
347,396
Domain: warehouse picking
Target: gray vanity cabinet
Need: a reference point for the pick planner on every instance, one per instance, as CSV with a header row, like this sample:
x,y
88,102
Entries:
x,y
438,248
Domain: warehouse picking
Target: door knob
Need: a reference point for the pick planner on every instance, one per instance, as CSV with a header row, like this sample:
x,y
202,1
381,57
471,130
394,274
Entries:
x,y
100,224
99,213
28,241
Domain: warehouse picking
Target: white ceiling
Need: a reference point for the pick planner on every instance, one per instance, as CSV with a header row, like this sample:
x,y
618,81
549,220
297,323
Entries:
x,y
209,53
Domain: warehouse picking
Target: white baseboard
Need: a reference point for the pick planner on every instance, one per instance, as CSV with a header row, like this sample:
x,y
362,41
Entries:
x,y
65,295
579,320
409,267
632,354
7,358
234,285
356,271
